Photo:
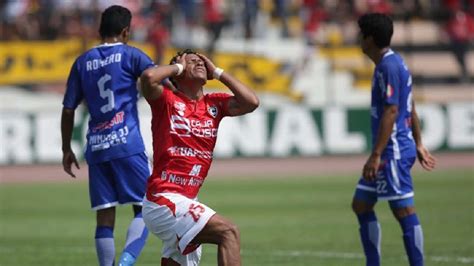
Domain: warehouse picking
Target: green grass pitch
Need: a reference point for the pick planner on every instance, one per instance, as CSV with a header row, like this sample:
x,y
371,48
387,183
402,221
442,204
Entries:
x,y
284,221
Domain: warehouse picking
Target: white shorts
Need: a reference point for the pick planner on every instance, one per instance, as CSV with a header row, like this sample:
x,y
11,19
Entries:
x,y
176,220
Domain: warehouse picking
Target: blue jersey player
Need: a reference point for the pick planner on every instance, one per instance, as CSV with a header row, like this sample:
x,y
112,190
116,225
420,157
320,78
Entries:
x,y
396,143
105,78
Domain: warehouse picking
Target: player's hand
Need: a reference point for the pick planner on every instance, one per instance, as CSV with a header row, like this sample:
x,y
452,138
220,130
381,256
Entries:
x,y
427,161
182,60
210,67
371,167
68,159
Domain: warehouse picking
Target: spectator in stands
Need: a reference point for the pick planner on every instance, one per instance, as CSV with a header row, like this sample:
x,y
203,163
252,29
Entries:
x,y
215,18
251,9
312,15
281,12
159,37
460,29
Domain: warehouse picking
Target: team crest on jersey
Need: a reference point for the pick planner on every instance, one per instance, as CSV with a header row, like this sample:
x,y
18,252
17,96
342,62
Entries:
x,y
180,108
212,110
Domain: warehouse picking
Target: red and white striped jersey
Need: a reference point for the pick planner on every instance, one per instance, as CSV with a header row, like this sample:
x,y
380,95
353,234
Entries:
x,y
184,136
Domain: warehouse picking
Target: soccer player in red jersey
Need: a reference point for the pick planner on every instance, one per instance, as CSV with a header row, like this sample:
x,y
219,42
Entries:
x,y
184,125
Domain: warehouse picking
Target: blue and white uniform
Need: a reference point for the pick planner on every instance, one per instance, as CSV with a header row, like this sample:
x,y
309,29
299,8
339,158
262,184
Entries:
x,y
106,78
391,86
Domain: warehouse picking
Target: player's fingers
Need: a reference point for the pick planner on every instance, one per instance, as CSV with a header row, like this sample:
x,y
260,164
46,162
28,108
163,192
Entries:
x,y
364,173
432,160
371,174
426,165
368,174
68,170
432,164
203,57
76,163
429,160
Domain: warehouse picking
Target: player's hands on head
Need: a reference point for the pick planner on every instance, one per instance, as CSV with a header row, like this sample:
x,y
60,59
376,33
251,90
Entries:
x,y
68,159
182,60
209,66
371,167
427,161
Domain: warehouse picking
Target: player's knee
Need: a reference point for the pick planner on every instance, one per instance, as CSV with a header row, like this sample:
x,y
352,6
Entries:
x,y
229,232
106,217
356,208
400,213
137,210
359,207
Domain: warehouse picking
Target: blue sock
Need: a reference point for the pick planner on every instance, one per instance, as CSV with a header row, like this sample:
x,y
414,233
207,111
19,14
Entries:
x,y
105,246
413,239
370,235
136,239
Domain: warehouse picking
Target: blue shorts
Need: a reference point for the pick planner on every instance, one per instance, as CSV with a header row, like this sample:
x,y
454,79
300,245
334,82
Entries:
x,y
393,183
119,181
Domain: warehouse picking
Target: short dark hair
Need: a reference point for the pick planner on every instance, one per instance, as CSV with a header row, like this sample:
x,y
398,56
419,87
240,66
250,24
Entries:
x,y
114,19
377,25
180,53
174,61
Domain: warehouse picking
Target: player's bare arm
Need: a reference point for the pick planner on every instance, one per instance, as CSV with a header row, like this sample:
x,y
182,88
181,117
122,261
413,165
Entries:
x,y
385,130
244,101
151,78
427,161
67,125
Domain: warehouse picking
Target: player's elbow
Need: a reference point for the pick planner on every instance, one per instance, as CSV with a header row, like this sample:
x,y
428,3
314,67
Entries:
x,y
147,77
392,110
253,104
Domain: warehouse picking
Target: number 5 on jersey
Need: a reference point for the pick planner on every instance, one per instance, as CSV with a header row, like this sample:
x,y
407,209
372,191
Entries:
x,y
106,93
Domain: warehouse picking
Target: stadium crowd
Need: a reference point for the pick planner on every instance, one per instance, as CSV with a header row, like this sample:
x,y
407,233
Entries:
x,y
200,23
157,19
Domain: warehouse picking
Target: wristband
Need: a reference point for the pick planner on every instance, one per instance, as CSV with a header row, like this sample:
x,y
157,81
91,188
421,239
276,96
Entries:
x,y
217,73
180,69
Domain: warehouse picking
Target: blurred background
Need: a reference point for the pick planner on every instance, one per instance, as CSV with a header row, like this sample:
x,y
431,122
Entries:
x,y
301,56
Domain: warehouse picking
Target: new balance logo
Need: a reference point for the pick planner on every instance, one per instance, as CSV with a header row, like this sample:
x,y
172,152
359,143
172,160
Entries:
x,y
196,170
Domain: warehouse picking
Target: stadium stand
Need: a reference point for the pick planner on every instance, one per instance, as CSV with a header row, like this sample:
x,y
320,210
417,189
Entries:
x,y
328,27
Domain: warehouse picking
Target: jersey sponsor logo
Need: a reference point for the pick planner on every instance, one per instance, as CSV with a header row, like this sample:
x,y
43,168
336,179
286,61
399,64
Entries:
x,y
180,108
163,175
196,170
116,120
105,141
95,64
182,181
212,110
180,125
189,152
184,127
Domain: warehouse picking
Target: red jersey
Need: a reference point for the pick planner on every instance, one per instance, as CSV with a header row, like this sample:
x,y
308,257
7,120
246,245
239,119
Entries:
x,y
184,136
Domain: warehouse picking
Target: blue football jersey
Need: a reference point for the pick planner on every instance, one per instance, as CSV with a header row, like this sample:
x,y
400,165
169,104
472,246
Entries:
x,y
105,77
392,86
